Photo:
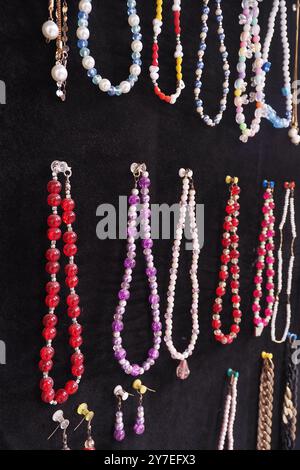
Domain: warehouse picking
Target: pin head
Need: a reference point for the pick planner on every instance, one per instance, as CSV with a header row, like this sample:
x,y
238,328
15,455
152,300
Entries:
x,y
84,411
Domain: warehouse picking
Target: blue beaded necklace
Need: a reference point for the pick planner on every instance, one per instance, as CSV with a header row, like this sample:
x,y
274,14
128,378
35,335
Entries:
x,y
88,62
200,64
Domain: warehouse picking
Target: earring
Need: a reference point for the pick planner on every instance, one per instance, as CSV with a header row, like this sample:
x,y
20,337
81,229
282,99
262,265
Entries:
x,y
52,300
87,416
121,395
57,30
58,417
139,426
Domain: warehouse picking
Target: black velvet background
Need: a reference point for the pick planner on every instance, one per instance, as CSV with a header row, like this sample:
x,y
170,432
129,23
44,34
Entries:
x,y
100,136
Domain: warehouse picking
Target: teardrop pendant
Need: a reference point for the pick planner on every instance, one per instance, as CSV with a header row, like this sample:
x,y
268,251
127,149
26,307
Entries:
x,y
183,370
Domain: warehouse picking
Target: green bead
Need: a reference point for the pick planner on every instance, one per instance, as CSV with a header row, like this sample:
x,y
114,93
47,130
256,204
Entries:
x,y
243,126
229,372
236,374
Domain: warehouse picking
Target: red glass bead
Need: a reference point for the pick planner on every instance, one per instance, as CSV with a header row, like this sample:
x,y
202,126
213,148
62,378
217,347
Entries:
x,y
52,267
54,186
217,308
46,384
235,190
292,185
235,222
216,324
219,337
70,237
74,312
72,281
237,314
227,226
77,371
46,353
52,287
52,254
54,200
70,249
52,301
61,396
75,329
75,341
68,217
230,209
223,275
73,300
68,204
235,284
54,220
49,333
48,395
45,366
236,299
71,387
77,359
225,259
229,339
235,329
54,233
234,269
71,269
234,254
50,320
257,294
226,242
234,238
220,291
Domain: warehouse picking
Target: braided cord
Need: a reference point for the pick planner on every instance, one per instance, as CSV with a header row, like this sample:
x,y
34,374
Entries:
x,y
289,410
265,416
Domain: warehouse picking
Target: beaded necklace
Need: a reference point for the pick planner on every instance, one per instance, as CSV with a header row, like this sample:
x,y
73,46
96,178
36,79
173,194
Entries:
x,y
139,195
294,130
265,407
88,62
200,64
229,412
154,68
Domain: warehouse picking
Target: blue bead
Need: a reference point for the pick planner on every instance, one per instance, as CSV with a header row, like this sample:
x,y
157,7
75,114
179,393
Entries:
x,y
272,184
200,65
137,61
205,29
112,91
84,52
202,47
219,18
83,23
223,107
199,103
265,183
82,43
225,55
267,67
92,72
222,37
136,29
118,91
198,84
206,10
226,91
137,36
286,91
136,55
131,3
133,78
82,15
96,79
131,11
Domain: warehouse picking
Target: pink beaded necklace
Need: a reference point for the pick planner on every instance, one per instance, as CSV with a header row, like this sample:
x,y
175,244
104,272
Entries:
x,y
139,195
53,287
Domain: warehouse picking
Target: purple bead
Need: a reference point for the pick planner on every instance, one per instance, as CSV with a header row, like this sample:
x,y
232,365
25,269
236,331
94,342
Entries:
x,y
144,182
153,353
120,354
119,435
124,294
139,421
156,326
135,370
129,263
154,299
145,213
132,231
117,326
151,272
133,200
139,429
147,243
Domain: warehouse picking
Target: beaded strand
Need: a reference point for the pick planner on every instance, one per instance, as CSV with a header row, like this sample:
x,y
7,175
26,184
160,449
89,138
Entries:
x,y
154,68
200,64
229,412
265,411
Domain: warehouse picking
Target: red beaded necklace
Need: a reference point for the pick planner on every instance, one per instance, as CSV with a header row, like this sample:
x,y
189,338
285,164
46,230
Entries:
x,y
52,300
230,255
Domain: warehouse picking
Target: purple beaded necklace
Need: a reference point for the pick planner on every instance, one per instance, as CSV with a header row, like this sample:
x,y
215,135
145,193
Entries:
x,y
139,196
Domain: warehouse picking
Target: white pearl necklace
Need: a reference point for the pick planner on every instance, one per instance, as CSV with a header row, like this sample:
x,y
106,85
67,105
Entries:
x,y
269,112
200,64
229,413
288,204
187,204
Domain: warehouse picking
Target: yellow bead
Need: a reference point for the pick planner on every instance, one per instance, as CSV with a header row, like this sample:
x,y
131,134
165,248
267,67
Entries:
x,y
89,416
235,180
228,179
82,408
179,60
238,92
179,76
264,355
178,68
143,390
137,384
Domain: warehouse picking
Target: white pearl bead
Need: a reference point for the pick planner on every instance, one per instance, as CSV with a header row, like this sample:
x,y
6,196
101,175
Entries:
x,y
125,86
293,132
59,73
134,20
104,84
85,6
88,62
135,69
136,45
50,30
83,33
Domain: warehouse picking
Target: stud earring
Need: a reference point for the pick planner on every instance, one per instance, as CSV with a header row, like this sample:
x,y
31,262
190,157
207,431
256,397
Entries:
x,y
139,426
63,424
121,395
87,416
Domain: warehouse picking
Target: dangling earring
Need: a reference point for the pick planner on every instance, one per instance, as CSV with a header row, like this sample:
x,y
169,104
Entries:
x,y
121,395
58,31
139,426
52,299
87,416
58,417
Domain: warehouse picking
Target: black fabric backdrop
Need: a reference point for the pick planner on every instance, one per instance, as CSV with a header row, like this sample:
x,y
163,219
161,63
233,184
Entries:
x,y
100,136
